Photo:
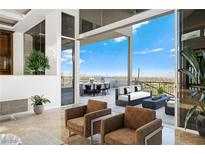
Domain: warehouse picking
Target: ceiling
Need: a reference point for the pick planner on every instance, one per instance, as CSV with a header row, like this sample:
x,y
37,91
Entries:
x,y
10,17
126,31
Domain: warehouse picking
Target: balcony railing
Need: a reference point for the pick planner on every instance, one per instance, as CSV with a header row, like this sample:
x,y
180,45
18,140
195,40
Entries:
x,y
154,85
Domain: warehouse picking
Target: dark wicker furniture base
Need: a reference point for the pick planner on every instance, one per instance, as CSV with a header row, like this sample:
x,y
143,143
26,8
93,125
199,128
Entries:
x,y
154,104
169,110
130,103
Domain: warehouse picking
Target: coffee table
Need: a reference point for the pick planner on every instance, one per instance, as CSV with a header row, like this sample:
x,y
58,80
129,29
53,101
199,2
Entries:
x,y
41,139
156,103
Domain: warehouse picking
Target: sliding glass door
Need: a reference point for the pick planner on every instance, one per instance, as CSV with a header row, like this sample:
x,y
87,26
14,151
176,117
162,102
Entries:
x,y
67,72
192,37
67,59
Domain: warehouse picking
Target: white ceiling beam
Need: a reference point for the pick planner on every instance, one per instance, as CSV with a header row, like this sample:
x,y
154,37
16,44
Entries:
x,y
6,27
11,15
127,31
32,18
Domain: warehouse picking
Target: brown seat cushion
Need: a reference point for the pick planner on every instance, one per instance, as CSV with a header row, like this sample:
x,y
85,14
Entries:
x,y
95,105
136,117
120,136
76,124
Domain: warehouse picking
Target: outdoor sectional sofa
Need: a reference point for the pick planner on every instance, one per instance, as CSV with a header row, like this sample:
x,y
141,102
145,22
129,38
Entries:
x,y
130,95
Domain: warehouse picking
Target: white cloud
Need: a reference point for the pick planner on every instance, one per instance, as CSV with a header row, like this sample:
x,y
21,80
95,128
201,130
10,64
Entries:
x,y
82,61
83,51
69,62
63,60
67,56
120,39
67,51
171,55
172,50
135,27
147,51
157,50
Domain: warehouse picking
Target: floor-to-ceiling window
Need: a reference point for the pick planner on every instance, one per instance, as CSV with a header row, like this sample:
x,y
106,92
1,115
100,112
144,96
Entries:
x,y
103,67
154,58
67,60
192,36
105,61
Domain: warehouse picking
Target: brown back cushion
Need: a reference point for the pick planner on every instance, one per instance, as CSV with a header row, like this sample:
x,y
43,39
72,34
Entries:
x,y
95,105
136,117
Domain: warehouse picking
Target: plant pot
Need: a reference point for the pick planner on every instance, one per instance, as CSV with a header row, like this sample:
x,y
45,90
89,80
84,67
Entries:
x,y
200,124
38,109
38,73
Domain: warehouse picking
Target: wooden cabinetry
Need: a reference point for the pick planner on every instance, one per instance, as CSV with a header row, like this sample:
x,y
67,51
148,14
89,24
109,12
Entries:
x,y
6,52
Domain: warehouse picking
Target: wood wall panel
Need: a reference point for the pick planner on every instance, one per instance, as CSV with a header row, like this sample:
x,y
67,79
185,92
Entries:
x,y
6,52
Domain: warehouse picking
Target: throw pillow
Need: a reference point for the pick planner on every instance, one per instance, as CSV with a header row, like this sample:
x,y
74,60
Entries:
x,y
127,90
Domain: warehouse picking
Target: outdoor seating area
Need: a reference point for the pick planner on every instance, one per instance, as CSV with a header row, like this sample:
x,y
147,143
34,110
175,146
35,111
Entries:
x,y
130,95
94,88
167,119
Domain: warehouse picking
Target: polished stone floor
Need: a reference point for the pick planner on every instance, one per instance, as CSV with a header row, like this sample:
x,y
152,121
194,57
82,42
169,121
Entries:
x,y
52,123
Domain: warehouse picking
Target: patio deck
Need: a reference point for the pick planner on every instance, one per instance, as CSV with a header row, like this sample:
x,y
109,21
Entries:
x,y
110,99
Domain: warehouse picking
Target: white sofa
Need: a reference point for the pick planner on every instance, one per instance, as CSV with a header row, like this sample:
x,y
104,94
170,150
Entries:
x,y
132,97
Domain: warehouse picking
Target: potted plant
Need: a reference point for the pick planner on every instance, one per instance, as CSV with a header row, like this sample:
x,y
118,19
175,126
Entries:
x,y
38,102
198,79
37,63
160,92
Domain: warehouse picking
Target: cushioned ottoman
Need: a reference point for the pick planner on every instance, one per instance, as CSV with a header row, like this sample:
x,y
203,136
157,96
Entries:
x,y
169,107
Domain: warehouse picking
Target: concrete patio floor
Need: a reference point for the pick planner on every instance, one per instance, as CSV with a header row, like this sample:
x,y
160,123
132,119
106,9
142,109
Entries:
x,y
110,99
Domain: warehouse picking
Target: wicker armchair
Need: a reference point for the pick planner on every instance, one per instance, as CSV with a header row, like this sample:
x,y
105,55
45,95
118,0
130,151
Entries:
x,y
78,119
135,126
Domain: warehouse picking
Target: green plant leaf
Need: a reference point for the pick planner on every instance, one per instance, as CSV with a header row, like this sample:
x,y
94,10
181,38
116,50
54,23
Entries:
x,y
189,115
39,100
202,105
188,73
202,65
37,62
202,97
194,93
191,57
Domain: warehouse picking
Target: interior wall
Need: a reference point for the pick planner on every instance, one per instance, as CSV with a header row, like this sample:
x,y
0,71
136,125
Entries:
x,y
20,86
23,87
53,41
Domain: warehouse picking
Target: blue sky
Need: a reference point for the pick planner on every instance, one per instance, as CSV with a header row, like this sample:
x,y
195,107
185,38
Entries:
x,y
153,46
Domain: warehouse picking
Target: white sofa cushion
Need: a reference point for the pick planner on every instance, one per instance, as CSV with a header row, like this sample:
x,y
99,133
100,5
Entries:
x,y
134,96
121,90
138,88
171,103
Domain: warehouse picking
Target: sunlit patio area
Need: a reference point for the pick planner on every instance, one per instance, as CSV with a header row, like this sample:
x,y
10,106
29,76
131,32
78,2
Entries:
x,y
110,99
